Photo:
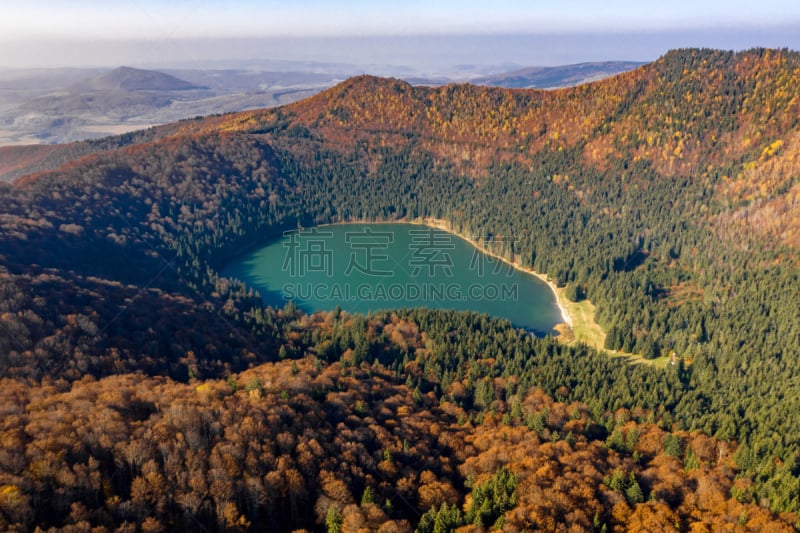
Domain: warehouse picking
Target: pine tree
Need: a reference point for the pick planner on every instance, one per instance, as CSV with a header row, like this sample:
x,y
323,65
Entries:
x,y
634,492
333,520
367,497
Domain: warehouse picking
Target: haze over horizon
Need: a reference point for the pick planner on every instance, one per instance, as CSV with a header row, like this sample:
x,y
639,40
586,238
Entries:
x,y
157,33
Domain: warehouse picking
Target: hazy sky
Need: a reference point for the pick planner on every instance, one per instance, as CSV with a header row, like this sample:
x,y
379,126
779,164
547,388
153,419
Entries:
x,y
94,32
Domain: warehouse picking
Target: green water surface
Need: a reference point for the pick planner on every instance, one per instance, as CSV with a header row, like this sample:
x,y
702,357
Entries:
x,y
370,267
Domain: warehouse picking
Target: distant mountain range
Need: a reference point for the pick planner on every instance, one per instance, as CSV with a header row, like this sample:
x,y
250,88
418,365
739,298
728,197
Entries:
x,y
116,96
134,79
555,77
63,105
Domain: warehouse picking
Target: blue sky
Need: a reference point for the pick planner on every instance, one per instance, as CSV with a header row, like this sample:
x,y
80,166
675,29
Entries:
x,y
36,32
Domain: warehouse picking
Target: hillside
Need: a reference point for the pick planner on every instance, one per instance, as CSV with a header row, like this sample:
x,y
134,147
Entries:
x,y
666,195
16,161
134,79
293,444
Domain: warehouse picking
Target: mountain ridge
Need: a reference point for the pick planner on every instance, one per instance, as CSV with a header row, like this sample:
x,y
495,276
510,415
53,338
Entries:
x,y
492,124
470,137
666,196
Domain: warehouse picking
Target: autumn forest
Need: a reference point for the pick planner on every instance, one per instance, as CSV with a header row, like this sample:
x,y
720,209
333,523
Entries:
x,y
140,390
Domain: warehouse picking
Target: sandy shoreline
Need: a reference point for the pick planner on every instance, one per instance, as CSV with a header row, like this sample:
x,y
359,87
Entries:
x,y
444,225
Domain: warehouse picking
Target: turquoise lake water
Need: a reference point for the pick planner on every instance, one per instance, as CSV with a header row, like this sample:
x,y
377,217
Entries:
x,y
370,267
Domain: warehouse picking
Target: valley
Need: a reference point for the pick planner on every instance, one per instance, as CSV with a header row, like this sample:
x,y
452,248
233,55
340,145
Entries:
x,y
661,203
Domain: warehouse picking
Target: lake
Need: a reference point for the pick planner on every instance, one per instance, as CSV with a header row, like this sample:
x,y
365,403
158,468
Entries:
x,y
377,266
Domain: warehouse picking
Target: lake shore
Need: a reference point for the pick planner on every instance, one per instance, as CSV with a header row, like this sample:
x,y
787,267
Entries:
x,y
578,318
444,225
565,327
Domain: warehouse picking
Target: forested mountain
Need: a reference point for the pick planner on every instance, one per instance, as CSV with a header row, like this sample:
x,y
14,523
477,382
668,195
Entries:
x,y
668,196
